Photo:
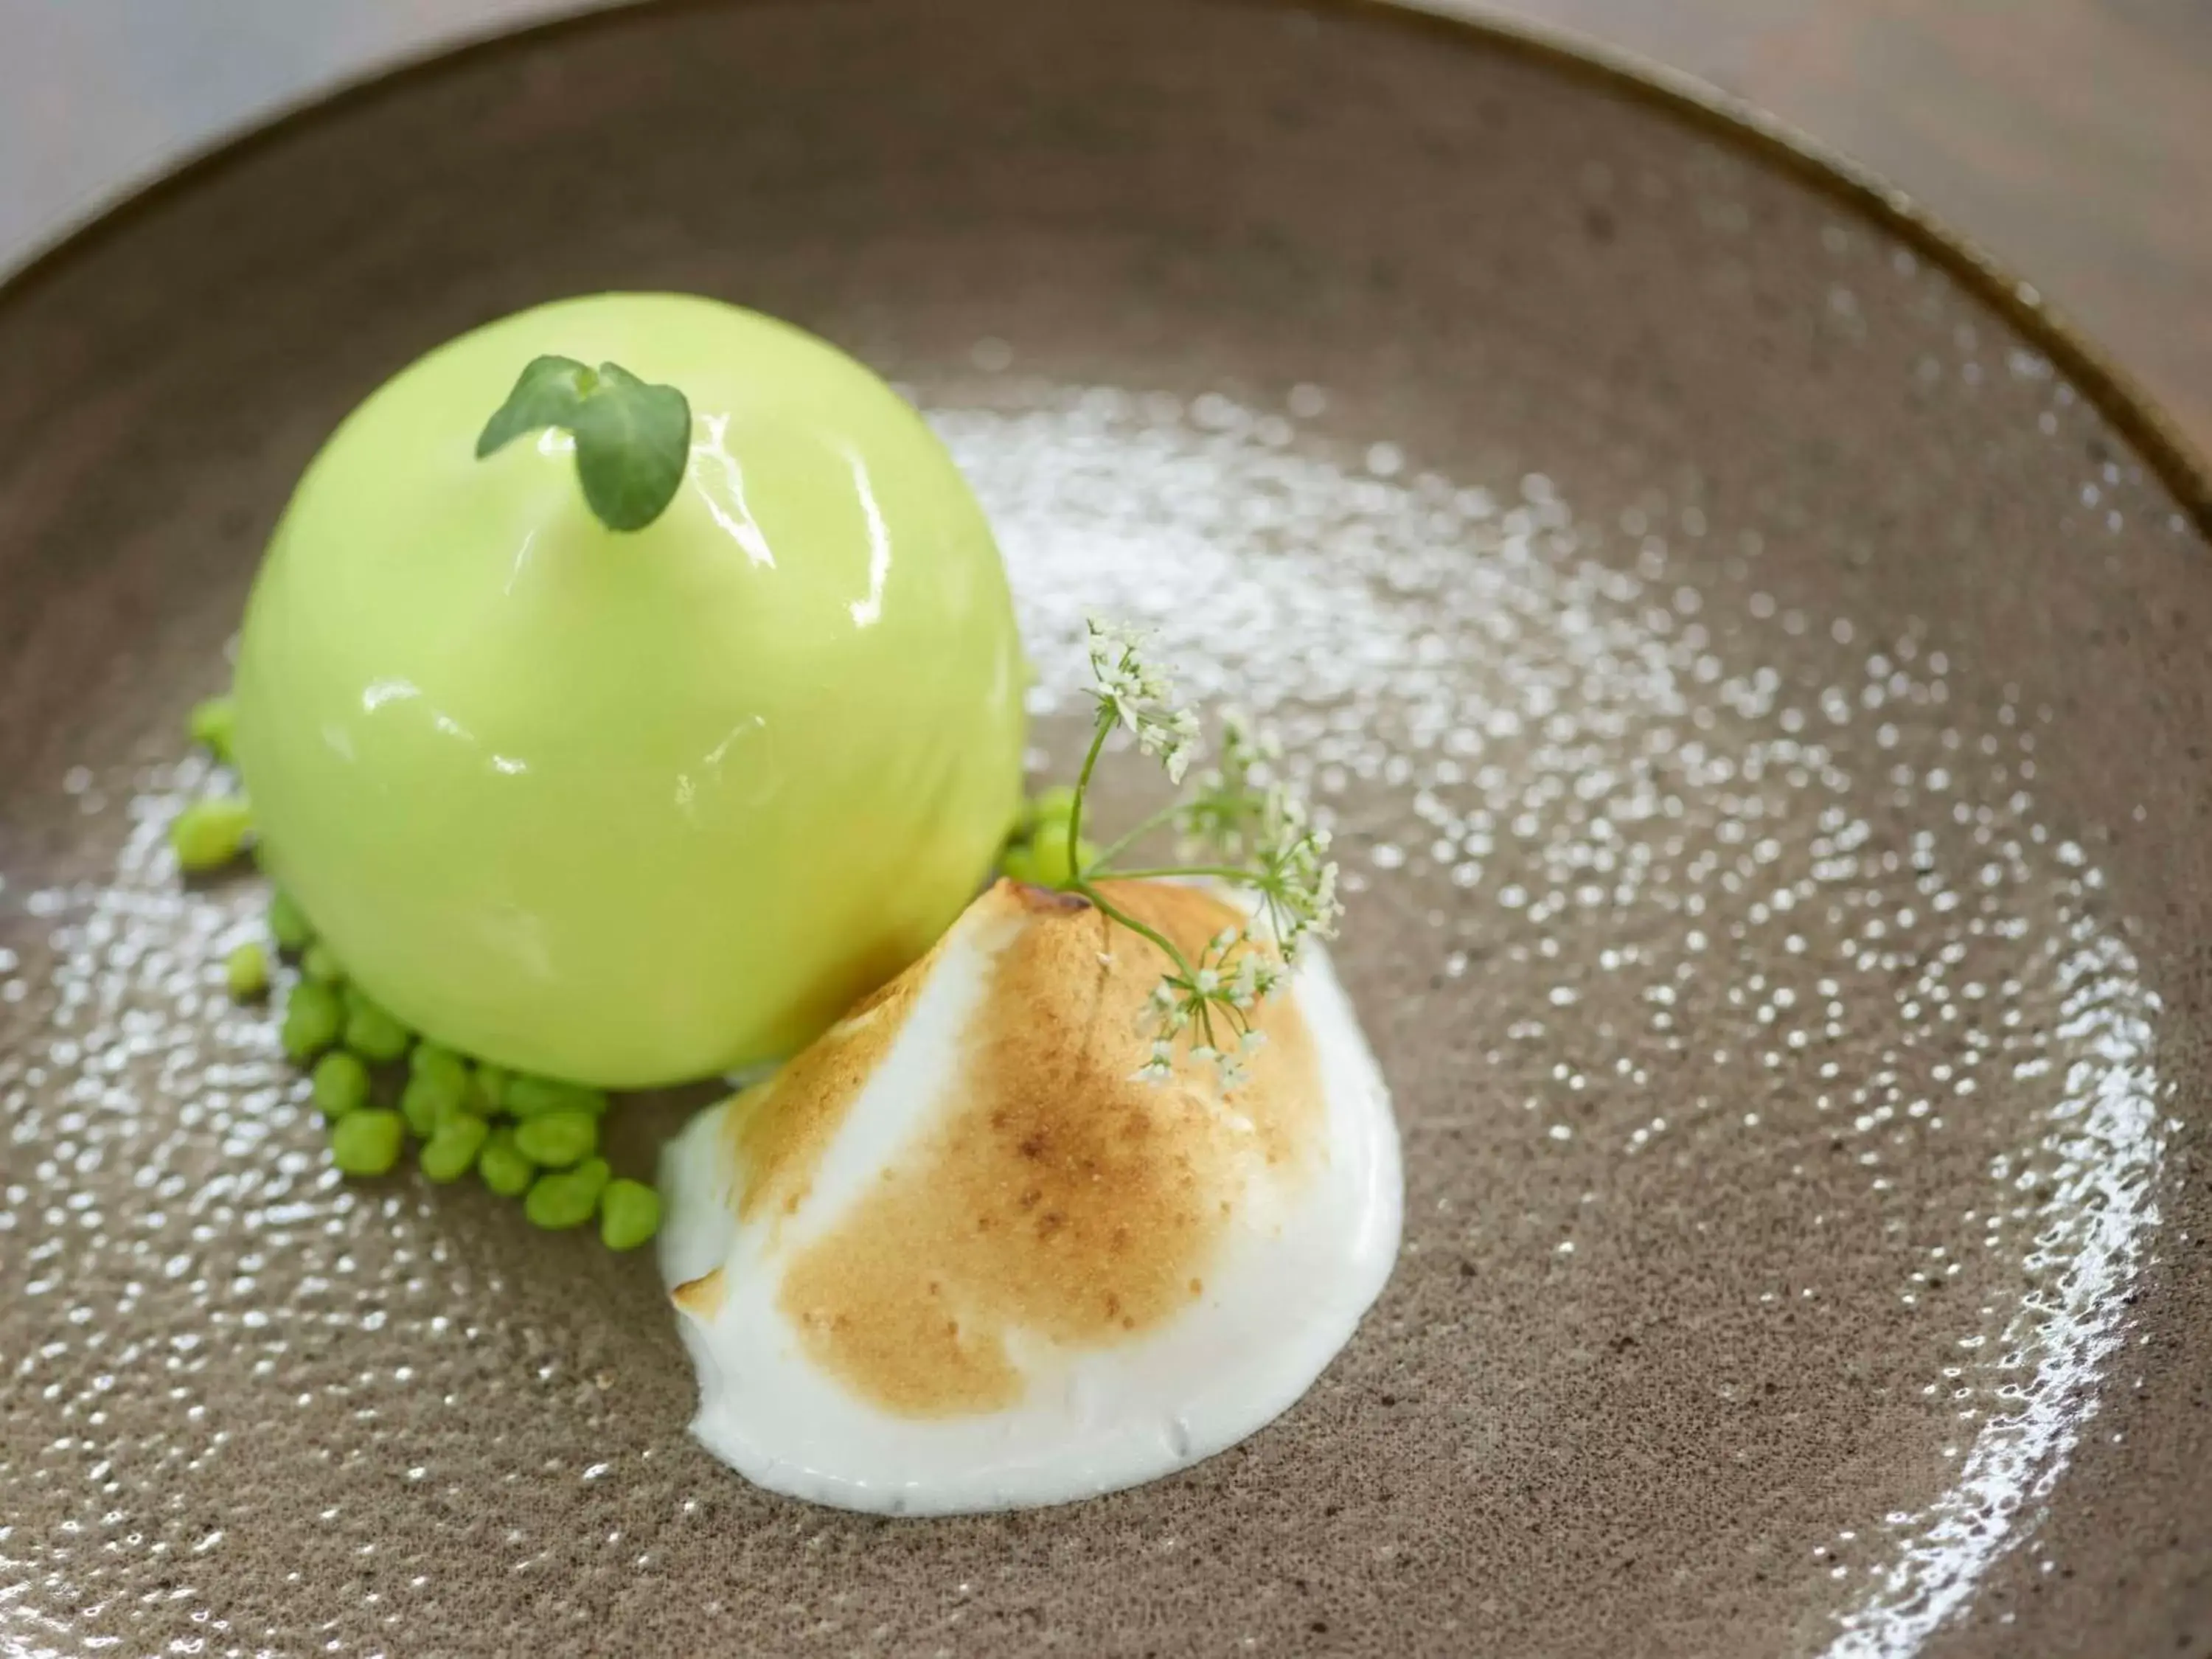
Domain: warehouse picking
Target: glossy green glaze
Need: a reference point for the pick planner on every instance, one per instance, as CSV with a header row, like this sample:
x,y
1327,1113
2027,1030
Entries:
x,y
627,809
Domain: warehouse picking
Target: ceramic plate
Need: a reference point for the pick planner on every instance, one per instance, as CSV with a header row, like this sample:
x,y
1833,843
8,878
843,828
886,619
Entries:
x,y
1757,667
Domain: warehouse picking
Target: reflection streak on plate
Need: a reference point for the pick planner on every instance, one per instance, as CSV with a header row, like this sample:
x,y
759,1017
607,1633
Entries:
x,y
1344,616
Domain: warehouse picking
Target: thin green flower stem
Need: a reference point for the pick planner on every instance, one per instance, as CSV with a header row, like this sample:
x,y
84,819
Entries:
x,y
1166,814
1106,908
1103,725
1112,912
1218,872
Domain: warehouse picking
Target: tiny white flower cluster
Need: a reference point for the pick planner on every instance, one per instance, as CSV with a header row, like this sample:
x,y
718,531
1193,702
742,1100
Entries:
x,y
1244,817
1141,697
1232,975
1296,878
1243,824
1219,820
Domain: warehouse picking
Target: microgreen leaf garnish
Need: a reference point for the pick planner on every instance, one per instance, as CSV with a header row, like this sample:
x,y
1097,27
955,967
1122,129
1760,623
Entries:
x,y
1238,823
633,439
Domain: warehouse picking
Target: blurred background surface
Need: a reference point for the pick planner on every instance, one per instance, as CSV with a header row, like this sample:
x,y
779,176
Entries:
x,y
2071,138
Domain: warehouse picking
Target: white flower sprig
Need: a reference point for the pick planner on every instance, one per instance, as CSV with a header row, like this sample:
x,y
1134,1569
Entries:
x,y
1134,695
1241,824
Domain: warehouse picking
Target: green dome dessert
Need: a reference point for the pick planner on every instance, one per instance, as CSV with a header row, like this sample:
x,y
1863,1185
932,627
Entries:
x,y
626,805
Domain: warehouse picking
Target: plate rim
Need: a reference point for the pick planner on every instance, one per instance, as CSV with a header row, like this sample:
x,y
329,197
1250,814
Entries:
x,y
2123,401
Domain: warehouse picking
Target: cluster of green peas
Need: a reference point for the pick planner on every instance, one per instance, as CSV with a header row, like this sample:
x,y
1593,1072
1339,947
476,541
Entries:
x,y
525,1137
1037,852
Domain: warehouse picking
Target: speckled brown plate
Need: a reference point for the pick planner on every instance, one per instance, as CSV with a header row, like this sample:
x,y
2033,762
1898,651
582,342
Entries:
x,y
1758,666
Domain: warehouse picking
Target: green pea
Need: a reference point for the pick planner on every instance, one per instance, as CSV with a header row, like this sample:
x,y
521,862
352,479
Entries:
x,y
212,724
433,1060
492,1082
451,1153
430,1099
567,1198
558,1138
466,1105
372,1033
1049,861
314,1018
629,1214
1052,805
506,1169
317,962
245,971
287,923
537,1097
341,1084
211,832
419,1110
368,1142
1018,863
